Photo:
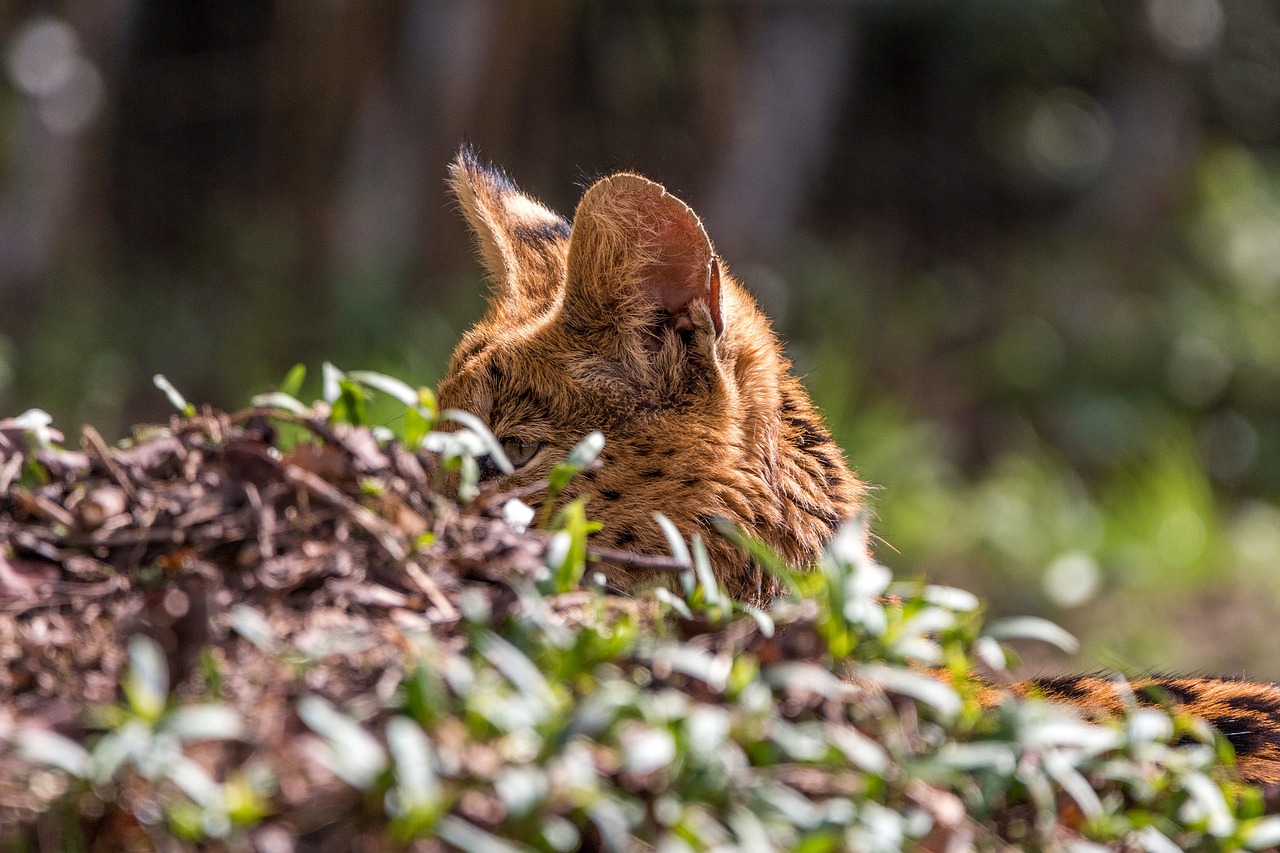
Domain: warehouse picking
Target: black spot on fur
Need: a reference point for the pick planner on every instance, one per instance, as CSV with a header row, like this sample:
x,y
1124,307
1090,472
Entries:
x,y
809,433
1162,692
653,474
689,481
1064,687
824,514
1267,710
1252,703
1246,734
818,453
610,495
543,232
626,536
825,461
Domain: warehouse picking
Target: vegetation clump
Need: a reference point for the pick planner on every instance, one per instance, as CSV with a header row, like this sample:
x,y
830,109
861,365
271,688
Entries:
x,y
279,629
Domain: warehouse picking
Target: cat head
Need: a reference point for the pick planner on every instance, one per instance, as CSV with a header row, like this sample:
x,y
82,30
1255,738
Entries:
x,y
626,321
615,317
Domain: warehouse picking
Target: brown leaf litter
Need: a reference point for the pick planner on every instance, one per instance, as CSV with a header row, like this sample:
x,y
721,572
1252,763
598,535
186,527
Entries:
x,y
341,545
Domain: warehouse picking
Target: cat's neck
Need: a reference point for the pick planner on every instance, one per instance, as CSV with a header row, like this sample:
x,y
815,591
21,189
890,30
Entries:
x,y
810,489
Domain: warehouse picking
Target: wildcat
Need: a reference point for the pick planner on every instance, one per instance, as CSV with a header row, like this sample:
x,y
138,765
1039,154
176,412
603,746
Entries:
x,y
627,321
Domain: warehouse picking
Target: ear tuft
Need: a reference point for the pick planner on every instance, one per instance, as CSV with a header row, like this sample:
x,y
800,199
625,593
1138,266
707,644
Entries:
x,y
637,251
512,230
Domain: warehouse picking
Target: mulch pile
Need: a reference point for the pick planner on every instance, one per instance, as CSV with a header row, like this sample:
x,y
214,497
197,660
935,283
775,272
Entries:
x,y
278,583
341,544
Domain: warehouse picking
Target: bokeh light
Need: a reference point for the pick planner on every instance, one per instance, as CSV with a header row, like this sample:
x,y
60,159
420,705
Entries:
x,y
44,62
1187,29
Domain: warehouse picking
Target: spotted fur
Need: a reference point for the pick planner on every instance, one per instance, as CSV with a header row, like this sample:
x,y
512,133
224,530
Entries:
x,y
626,321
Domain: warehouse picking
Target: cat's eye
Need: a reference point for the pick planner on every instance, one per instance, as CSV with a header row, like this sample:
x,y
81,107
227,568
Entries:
x,y
519,451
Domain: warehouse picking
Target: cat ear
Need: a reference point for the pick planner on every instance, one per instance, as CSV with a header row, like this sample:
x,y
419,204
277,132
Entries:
x,y
640,260
520,241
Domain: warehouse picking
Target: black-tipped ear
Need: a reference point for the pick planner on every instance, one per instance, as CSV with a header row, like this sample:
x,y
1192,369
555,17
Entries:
x,y
639,256
520,240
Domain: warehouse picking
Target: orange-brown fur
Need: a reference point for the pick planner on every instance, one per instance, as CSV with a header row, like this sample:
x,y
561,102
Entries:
x,y
627,322
701,415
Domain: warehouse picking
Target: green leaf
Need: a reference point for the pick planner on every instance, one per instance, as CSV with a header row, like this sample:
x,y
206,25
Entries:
x,y
568,558
586,451
425,696
204,722
416,803
36,425
175,398
1033,628
760,552
388,385
711,596
675,541
430,406
353,754
416,427
331,376
279,400
292,382
481,430
53,750
350,404
246,795
146,686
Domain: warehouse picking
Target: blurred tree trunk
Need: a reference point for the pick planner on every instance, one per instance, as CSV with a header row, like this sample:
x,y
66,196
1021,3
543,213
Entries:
x,y
488,72
325,58
799,67
231,123
191,103
392,212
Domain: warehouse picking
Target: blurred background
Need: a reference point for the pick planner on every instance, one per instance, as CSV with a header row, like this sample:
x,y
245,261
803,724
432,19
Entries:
x,y
1027,253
